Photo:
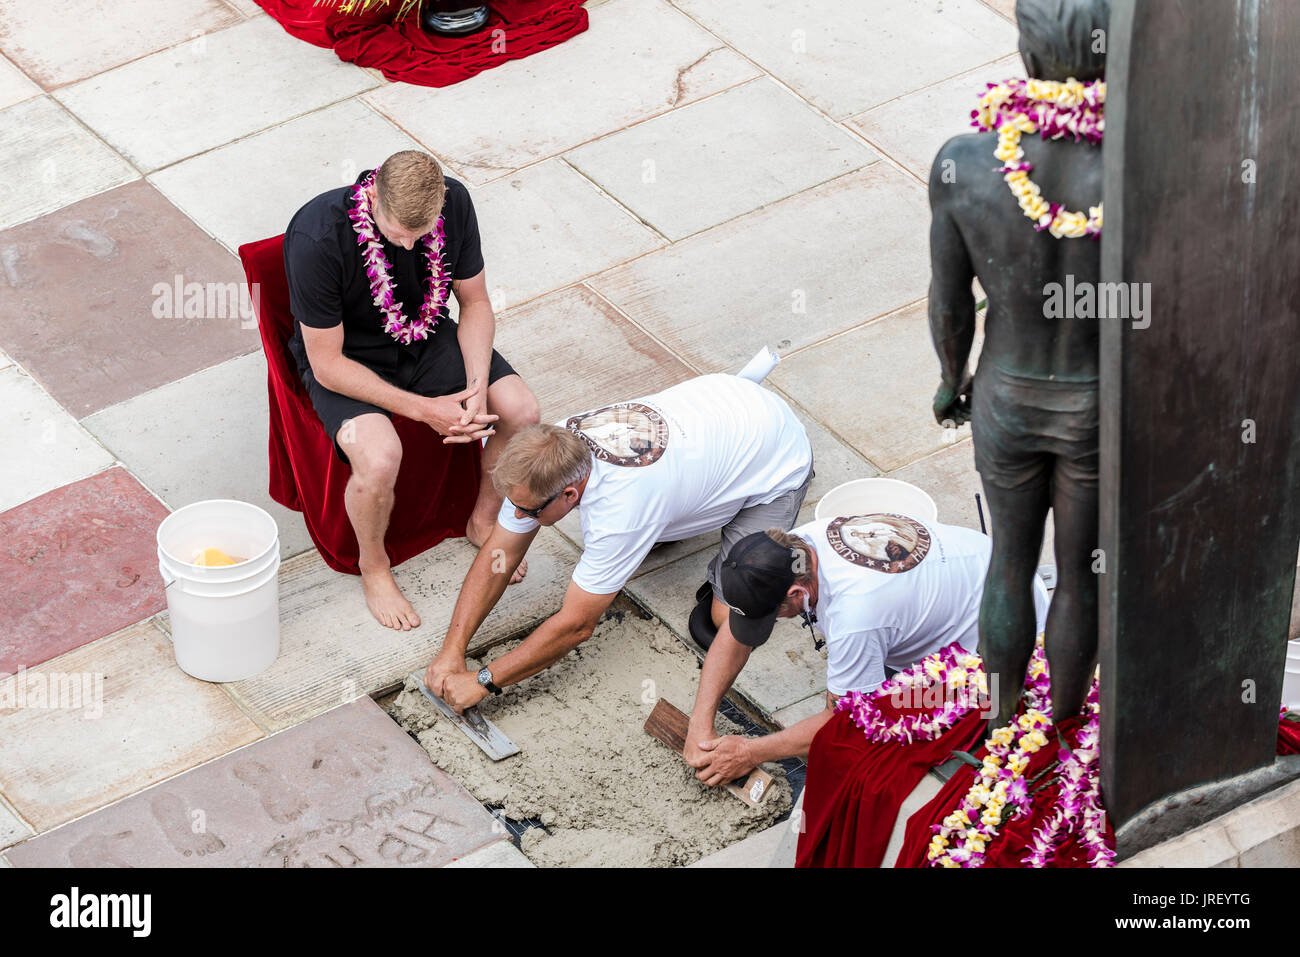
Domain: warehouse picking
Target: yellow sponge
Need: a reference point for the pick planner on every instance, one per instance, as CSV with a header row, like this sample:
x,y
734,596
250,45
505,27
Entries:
x,y
215,556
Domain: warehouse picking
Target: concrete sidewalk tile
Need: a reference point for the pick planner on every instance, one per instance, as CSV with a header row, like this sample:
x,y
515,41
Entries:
x,y
347,789
793,714
834,461
248,8
285,167
5,361
780,673
708,162
140,720
46,446
332,649
44,147
127,252
79,563
188,448
36,35
795,272
500,854
574,329
844,383
1005,7
160,109
12,827
637,59
846,58
14,85
912,128
547,227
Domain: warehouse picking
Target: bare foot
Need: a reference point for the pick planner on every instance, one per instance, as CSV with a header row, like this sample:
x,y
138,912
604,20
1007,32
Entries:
x,y
386,602
520,572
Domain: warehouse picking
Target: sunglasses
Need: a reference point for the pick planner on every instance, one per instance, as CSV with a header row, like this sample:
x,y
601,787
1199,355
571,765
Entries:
x,y
535,513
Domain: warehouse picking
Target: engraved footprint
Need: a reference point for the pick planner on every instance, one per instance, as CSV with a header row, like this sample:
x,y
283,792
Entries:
x,y
279,800
360,758
173,818
101,850
90,239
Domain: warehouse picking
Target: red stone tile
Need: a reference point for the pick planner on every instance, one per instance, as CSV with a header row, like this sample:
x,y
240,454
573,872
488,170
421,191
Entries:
x,y
348,788
78,299
76,564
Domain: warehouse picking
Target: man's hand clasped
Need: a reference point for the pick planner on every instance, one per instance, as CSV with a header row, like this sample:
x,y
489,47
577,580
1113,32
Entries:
x,y
721,760
458,418
952,404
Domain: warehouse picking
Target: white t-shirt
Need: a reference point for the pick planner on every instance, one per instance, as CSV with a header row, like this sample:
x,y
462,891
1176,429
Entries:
x,y
676,464
892,590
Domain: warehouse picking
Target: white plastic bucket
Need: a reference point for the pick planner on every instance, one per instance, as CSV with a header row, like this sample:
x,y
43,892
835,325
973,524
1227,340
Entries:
x,y
1291,680
865,496
225,619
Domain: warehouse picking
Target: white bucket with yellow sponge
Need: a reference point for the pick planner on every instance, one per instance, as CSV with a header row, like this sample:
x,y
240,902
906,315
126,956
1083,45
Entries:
x,y
220,563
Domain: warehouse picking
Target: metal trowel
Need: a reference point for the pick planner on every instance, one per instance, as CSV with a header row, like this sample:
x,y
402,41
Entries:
x,y
476,727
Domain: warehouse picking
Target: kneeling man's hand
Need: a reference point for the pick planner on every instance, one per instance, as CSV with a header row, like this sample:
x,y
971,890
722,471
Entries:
x,y
440,669
462,690
727,758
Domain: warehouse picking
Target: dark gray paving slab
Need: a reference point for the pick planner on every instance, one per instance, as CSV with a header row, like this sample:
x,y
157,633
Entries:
x,y
347,789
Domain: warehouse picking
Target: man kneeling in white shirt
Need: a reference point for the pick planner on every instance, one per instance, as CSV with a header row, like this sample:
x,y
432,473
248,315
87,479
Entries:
x,y
885,589
714,452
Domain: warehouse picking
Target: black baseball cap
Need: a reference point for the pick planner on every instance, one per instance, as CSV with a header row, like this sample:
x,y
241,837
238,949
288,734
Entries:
x,y
756,575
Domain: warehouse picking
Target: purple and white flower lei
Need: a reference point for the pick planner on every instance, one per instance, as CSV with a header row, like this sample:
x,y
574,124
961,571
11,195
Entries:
x,y
379,272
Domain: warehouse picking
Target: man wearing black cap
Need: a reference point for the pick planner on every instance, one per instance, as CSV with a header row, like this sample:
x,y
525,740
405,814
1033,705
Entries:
x,y
885,589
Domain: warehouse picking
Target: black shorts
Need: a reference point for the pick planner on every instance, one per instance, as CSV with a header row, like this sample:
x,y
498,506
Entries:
x,y
436,369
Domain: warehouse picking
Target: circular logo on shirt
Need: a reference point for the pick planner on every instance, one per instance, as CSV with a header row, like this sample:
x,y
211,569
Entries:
x,y
883,541
628,434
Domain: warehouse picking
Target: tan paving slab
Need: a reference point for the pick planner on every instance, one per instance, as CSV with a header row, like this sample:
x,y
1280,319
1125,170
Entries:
x,y
708,162
846,58
161,108
912,128
281,169
500,854
188,448
638,58
1005,7
332,650
104,273
793,714
548,227
248,8
142,720
14,85
12,827
780,673
43,146
46,447
788,275
873,387
577,352
5,361
36,35
346,789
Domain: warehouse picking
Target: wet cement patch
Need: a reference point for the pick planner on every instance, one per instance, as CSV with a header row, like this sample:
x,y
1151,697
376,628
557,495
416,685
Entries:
x,y
606,793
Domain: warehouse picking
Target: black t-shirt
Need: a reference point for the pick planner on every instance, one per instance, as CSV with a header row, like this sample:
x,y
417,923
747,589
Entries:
x,y
328,282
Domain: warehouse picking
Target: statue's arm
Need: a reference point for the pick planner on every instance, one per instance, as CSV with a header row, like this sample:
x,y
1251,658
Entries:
x,y
952,304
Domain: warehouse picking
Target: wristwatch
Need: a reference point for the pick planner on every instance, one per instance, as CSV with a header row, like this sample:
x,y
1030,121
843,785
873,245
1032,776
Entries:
x,y
485,679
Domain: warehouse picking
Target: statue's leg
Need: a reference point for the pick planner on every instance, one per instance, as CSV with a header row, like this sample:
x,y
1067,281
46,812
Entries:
x,y
1072,620
1007,622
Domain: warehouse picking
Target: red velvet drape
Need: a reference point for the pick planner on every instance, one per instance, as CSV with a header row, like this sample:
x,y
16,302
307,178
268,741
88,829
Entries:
x,y
855,788
436,485
405,53
1288,737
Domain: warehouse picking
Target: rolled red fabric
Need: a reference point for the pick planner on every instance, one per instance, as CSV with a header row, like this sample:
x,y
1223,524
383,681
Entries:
x,y
437,484
855,787
1288,737
406,53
